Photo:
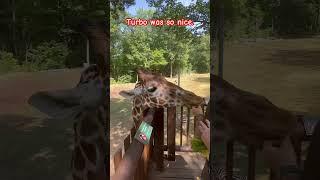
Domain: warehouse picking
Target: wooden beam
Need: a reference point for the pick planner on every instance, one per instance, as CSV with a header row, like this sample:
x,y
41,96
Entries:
x,y
251,163
171,133
188,124
229,163
158,125
221,37
88,53
181,123
132,157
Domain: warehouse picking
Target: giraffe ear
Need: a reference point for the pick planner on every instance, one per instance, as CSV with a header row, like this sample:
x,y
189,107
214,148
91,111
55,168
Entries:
x,y
144,75
127,94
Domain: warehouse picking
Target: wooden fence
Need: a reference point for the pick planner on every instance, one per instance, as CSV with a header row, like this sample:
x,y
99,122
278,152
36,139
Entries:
x,y
138,155
252,153
135,154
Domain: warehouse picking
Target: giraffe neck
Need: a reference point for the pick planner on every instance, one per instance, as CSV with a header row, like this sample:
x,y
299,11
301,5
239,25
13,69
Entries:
x,y
140,104
88,159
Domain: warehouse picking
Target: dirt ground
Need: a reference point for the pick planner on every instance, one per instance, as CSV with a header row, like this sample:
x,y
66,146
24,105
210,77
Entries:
x,y
34,147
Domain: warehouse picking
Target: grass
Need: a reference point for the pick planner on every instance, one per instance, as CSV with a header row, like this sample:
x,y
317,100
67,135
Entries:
x,y
198,146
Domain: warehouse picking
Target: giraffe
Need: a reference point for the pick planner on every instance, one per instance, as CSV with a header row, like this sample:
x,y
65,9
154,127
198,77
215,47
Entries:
x,y
154,91
87,106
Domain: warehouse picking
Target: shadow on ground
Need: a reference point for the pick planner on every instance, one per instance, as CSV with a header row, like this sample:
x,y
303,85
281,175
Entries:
x,y
34,148
120,122
295,57
203,79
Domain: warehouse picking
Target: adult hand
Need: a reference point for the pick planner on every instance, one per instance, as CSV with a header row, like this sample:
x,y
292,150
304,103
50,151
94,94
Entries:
x,y
197,110
204,129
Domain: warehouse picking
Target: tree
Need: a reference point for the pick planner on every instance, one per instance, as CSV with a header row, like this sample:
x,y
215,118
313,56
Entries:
x,y
200,55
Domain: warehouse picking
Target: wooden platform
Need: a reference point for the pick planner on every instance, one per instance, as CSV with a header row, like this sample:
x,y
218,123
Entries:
x,y
188,165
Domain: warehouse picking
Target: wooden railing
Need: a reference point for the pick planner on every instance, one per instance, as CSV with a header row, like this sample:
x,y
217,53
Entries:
x,y
133,162
252,156
136,160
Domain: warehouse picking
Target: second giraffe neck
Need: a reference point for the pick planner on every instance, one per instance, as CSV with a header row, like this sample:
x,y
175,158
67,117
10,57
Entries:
x,y
88,160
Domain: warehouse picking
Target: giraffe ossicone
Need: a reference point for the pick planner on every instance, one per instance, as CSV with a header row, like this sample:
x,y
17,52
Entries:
x,y
154,91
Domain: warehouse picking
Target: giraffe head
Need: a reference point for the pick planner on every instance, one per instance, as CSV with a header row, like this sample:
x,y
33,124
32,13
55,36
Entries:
x,y
156,91
84,105
67,103
153,90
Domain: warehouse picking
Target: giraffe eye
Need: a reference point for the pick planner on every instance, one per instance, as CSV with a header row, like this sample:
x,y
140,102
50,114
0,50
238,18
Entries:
x,y
151,89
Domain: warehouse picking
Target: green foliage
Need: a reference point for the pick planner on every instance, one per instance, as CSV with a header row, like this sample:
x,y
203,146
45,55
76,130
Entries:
x,y
37,22
163,49
265,18
7,62
125,79
198,146
156,60
48,55
200,55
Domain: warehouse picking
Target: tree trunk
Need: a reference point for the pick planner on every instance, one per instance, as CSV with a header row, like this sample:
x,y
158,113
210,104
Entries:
x,y
13,8
26,55
318,18
171,68
255,29
272,25
179,73
221,38
88,52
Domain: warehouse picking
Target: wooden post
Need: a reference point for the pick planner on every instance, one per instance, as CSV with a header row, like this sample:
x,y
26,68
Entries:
x,y
213,37
139,170
252,162
221,37
88,52
229,163
181,121
131,160
171,133
158,125
188,124
145,159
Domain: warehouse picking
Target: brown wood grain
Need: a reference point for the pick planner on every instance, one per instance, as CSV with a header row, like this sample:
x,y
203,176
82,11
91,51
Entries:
x,y
171,133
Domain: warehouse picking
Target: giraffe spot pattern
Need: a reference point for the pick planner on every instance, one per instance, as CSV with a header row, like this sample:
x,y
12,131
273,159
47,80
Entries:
x,y
79,162
162,102
90,151
153,100
88,127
